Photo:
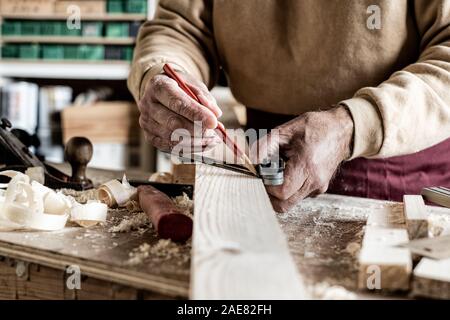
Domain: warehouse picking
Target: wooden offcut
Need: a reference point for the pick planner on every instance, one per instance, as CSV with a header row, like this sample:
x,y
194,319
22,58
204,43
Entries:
x,y
380,257
416,217
102,122
432,279
239,250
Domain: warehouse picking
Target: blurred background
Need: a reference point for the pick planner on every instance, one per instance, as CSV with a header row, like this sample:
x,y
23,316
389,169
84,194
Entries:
x,y
61,78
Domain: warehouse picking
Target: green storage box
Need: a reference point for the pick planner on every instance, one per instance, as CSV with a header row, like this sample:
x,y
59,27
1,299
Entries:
x,y
52,52
128,53
11,28
51,28
30,28
136,6
117,29
65,31
71,52
10,51
92,29
115,6
29,51
92,52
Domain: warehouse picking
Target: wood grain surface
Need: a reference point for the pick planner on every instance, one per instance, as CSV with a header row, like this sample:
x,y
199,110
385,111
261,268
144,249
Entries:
x,y
239,249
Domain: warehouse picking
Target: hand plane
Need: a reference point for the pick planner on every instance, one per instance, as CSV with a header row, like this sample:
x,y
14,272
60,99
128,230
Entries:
x,y
16,156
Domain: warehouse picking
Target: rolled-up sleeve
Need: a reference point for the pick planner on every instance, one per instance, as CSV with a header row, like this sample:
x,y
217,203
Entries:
x,y
180,34
410,111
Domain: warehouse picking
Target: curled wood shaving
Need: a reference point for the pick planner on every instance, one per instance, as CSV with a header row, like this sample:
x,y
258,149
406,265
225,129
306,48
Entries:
x,y
28,204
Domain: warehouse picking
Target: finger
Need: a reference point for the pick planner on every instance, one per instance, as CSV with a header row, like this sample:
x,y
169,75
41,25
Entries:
x,y
168,93
181,139
153,128
285,205
207,99
295,178
157,142
169,119
173,122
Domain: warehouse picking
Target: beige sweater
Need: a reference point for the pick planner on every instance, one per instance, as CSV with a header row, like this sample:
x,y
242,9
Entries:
x,y
294,56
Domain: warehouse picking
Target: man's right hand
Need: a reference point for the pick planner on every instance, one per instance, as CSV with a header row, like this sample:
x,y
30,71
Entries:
x,y
165,107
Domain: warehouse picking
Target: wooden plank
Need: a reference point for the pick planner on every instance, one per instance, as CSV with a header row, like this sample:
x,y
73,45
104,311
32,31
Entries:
x,y
379,256
416,217
239,249
432,279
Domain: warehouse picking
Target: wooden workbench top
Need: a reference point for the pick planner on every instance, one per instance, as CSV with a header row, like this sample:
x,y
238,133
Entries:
x,y
323,233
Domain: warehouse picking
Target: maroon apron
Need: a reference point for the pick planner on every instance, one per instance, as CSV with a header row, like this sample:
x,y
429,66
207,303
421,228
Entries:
x,y
386,179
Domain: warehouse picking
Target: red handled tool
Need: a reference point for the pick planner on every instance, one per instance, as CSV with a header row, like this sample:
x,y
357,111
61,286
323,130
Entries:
x,y
220,128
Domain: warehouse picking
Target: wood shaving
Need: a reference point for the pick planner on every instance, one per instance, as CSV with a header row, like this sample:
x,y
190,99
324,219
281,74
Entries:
x,y
185,204
353,248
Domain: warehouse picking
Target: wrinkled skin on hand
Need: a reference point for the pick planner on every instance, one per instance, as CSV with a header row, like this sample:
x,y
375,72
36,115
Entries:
x,y
314,144
165,108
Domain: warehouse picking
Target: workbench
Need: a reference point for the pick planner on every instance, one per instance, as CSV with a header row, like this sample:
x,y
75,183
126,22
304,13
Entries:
x,y
323,234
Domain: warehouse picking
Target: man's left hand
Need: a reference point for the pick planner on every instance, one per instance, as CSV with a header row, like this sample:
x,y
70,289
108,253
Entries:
x,y
314,144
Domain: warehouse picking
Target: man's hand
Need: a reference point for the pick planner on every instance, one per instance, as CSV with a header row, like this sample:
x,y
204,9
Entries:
x,y
165,107
314,145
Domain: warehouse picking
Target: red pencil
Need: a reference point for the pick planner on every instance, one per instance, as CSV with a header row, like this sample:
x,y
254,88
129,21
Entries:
x,y
220,129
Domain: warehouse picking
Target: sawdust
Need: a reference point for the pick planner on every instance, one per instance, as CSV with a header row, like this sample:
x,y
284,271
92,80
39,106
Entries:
x,y
325,291
185,204
163,250
81,196
353,248
438,225
135,222
138,220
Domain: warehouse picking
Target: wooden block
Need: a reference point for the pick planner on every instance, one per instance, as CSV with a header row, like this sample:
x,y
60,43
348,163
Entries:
x,y
384,237
393,264
416,217
391,216
103,122
184,173
37,7
97,7
379,256
432,279
239,250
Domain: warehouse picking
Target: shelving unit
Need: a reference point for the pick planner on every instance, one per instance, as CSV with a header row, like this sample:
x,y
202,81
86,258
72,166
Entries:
x,y
93,17
70,69
78,70
68,40
41,51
